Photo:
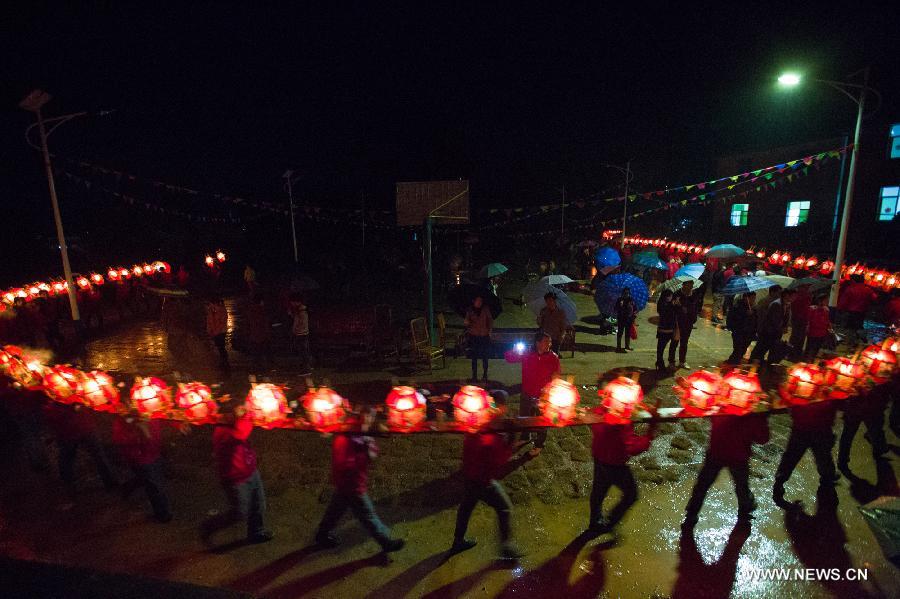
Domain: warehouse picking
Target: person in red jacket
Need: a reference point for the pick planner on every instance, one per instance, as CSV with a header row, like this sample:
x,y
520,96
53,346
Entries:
x,y
819,327
730,442
892,309
612,446
800,308
236,463
484,456
539,367
139,442
75,427
854,300
350,459
811,428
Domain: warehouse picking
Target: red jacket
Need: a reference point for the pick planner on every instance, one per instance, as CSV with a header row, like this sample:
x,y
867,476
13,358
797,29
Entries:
x,y
235,458
483,456
732,437
819,321
800,307
892,311
69,424
856,297
137,447
537,370
350,459
614,443
815,417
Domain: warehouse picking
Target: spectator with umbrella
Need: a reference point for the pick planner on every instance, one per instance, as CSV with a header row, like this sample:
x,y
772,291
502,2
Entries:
x,y
687,308
625,315
478,323
742,323
610,289
552,320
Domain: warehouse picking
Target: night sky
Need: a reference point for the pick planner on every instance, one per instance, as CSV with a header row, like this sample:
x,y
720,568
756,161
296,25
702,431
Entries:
x,y
521,103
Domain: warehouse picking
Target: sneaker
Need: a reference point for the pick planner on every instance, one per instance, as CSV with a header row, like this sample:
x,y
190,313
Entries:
x,y
262,536
629,349
619,350
327,540
462,545
510,551
684,366
671,365
393,545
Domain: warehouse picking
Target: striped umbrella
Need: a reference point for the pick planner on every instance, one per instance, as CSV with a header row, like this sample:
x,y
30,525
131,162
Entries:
x,y
611,288
674,284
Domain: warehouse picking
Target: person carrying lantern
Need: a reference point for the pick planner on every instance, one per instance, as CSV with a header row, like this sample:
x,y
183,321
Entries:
x,y
742,321
687,307
478,323
819,327
854,300
626,311
484,457
866,407
770,330
612,446
351,456
800,313
236,463
539,366
811,428
730,443
139,442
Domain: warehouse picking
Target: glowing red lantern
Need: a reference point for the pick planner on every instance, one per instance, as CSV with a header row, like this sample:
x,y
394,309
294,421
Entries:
x,y
760,254
124,273
843,375
7,355
9,297
83,282
811,263
473,407
60,287
96,279
559,400
151,396
785,258
878,363
113,274
740,392
698,392
27,371
209,261
63,383
805,383
826,267
775,257
34,291
619,399
137,270
892,344
148,270
800,262
196,400
324,408
162,266
220,256
99,391
406,408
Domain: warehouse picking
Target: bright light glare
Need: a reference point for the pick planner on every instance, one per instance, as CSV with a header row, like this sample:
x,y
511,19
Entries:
x,y
520,347
789,79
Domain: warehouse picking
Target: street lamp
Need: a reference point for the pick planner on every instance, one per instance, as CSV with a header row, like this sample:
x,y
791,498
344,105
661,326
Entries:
x,y
793,79
289,180
628,177
33,103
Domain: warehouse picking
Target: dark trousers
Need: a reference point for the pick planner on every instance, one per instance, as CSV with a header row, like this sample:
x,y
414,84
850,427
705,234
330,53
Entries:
x,y
874,429
492,494
150,476
529,406
739,343
813,346
605,477
855,321
246,500
479,347
362,508
301,346
663,339
219,342
765,349
67,453
740,476
819,442
623,327
681,344
28,426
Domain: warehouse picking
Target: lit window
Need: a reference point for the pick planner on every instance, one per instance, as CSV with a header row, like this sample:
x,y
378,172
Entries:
x,y
797,213
739,214
895,141
890,196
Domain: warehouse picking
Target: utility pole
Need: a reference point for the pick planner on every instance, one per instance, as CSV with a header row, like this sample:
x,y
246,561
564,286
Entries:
x,y
288,177
625,212
562,220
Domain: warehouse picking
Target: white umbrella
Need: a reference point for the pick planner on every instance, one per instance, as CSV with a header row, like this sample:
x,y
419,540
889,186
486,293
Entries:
x,y
535,300
557,279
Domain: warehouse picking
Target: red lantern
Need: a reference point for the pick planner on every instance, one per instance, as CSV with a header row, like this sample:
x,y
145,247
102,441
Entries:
x,y
196,400
148,270
775,258
63,383
558,402
27,371
96,279
99,391
619,399
324,408
137,270
811,263
760,254
892,344
805,383
406,408
151,396
878,363
113,274
843,375
740,392
209,260
60,287
220,256
826,267
162,267
83,282
800,262
785,258
698,392
7,355
473,407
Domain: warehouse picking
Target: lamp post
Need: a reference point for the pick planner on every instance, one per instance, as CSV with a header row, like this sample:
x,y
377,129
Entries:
x,y
289,179
628,177
792,79
33,103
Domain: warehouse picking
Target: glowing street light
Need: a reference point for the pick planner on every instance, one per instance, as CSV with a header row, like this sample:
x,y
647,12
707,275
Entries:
x,y
789,79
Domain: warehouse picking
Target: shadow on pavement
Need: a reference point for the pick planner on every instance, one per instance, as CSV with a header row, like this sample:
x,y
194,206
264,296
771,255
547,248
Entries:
x,y
696,578
401,585
885,483
306,584
257,579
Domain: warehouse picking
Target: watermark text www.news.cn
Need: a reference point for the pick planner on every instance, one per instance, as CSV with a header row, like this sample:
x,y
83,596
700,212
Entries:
x,y
811,574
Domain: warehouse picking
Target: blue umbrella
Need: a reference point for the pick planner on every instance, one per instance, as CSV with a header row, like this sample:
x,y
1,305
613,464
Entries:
x,y
649,260
738,285
725,250
611,288
491,270
606,256
692,270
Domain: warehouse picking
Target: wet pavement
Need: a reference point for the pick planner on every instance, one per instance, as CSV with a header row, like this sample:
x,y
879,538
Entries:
x,y
416,488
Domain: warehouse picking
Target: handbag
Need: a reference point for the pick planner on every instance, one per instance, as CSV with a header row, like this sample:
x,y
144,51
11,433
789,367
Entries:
x,y
633,332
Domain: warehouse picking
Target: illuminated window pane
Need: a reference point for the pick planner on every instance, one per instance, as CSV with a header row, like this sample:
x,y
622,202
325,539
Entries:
x,y
890,196
895,141
797,212
739,215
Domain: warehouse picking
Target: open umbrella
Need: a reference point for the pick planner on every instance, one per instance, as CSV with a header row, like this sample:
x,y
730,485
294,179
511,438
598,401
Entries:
x,y
607,256
535,302
460,299
692,270
649,260
611,288
674,284
815,283
543,285
557,279
883,518
781,280
725,250
739,285
491,270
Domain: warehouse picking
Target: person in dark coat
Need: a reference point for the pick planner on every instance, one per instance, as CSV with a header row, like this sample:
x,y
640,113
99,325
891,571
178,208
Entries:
x,y
811,428
479,323
626,311
743,324
484,456
687,307
665,328
865,408
75,427
139,442
772,322
730,443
